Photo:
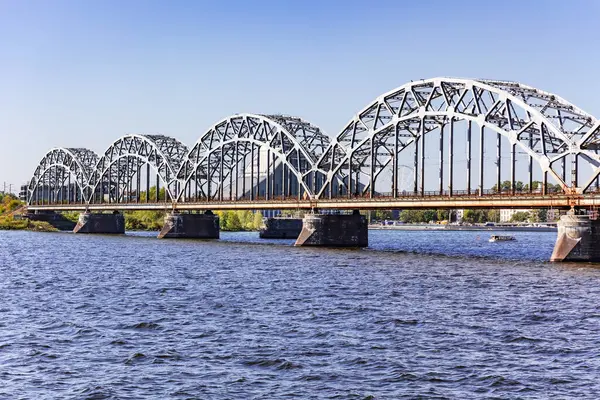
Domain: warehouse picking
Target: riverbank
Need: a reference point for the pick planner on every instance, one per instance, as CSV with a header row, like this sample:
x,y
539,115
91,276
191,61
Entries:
x,y
233,221
437,227
11,224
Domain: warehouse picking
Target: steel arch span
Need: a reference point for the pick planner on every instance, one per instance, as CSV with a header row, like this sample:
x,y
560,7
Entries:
x,y
254,156
118,174
543,127
62,175
435,138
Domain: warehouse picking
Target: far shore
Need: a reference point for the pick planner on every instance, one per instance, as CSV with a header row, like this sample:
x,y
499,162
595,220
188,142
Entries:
x,y
439,227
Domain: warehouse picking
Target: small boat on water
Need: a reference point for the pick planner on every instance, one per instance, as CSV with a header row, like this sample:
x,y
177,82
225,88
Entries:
x,y
500,238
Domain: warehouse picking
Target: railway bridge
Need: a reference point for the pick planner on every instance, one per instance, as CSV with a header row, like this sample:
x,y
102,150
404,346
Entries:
x,y
444,143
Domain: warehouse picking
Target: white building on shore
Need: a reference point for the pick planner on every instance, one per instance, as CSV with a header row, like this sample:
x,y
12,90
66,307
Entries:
x,y
458,214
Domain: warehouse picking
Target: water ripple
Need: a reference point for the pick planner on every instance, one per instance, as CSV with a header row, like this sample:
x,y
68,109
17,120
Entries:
x,y
417,315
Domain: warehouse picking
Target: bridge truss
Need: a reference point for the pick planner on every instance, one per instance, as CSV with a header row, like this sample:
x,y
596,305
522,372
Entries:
x,y
458,137
120,174
62,176
252,157
543,127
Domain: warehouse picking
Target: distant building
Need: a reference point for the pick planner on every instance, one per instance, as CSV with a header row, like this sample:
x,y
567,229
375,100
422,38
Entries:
x,y
270,213
553,214
507,213
458,214
23,192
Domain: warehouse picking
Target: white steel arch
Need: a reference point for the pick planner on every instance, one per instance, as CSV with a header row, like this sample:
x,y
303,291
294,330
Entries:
x,y
233,149
543,125
52,179
127,155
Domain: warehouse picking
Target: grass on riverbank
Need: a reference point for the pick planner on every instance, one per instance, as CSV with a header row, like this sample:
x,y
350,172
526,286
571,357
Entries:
x,y
143,221
9,223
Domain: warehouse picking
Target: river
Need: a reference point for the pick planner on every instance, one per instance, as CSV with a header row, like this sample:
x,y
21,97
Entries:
x,y
429,314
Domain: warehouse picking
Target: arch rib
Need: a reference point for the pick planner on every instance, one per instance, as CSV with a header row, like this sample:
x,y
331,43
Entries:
x,y
515,111
162,153
79,162
294,142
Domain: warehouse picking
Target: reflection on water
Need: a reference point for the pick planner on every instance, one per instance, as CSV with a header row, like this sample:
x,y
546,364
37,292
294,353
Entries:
x,y
438,314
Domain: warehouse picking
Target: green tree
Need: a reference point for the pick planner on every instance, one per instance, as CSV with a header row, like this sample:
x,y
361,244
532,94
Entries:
x,y
144,220
9,203
71,215
233,221
258,221
223,217
430,215
475,216
381,215
152,194
537,186
540,215
493,215
412,216
506,186
246,219
469,216
519,216
239,220
442,215
13,205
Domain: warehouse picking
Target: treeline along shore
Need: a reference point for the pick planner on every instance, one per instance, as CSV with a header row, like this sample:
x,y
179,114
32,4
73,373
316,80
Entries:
x,y
10,218
12,209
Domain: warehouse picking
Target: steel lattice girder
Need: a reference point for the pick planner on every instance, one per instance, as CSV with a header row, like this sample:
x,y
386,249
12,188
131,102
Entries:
x,y
126,155
295,142
543,125
74,161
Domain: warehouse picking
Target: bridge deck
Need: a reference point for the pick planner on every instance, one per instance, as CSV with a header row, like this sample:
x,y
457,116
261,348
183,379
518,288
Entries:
x,y
385,203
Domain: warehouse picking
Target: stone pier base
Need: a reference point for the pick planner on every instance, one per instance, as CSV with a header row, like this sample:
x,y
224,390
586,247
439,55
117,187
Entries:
x,y
281,228
55,219
100,223
190,226
578,239
346,230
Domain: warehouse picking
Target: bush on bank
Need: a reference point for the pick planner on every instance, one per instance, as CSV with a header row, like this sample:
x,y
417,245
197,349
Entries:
x,y
9,203
144,220
9,223
240,220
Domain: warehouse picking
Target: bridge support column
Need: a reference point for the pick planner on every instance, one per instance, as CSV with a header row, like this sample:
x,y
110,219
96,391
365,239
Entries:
x,y
281,228
190,226
347,230
55,219
100,223
578,239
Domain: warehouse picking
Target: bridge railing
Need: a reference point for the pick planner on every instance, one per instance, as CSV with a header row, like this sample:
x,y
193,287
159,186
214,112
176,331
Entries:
x,y
453,193
134,198
291,201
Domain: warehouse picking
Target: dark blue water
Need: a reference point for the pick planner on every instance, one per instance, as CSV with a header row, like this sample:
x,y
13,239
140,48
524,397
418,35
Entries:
x,y
429,314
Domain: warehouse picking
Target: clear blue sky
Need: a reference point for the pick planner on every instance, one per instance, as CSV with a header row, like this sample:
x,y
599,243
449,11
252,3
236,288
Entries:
x,y
83,73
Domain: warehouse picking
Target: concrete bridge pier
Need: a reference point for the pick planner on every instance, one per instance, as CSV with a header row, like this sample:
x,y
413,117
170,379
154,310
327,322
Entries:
x,y
281,228
190,226
334,230
100,223
578,239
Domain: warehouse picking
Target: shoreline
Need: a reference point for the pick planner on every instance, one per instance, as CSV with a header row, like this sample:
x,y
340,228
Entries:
x,y
451,228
